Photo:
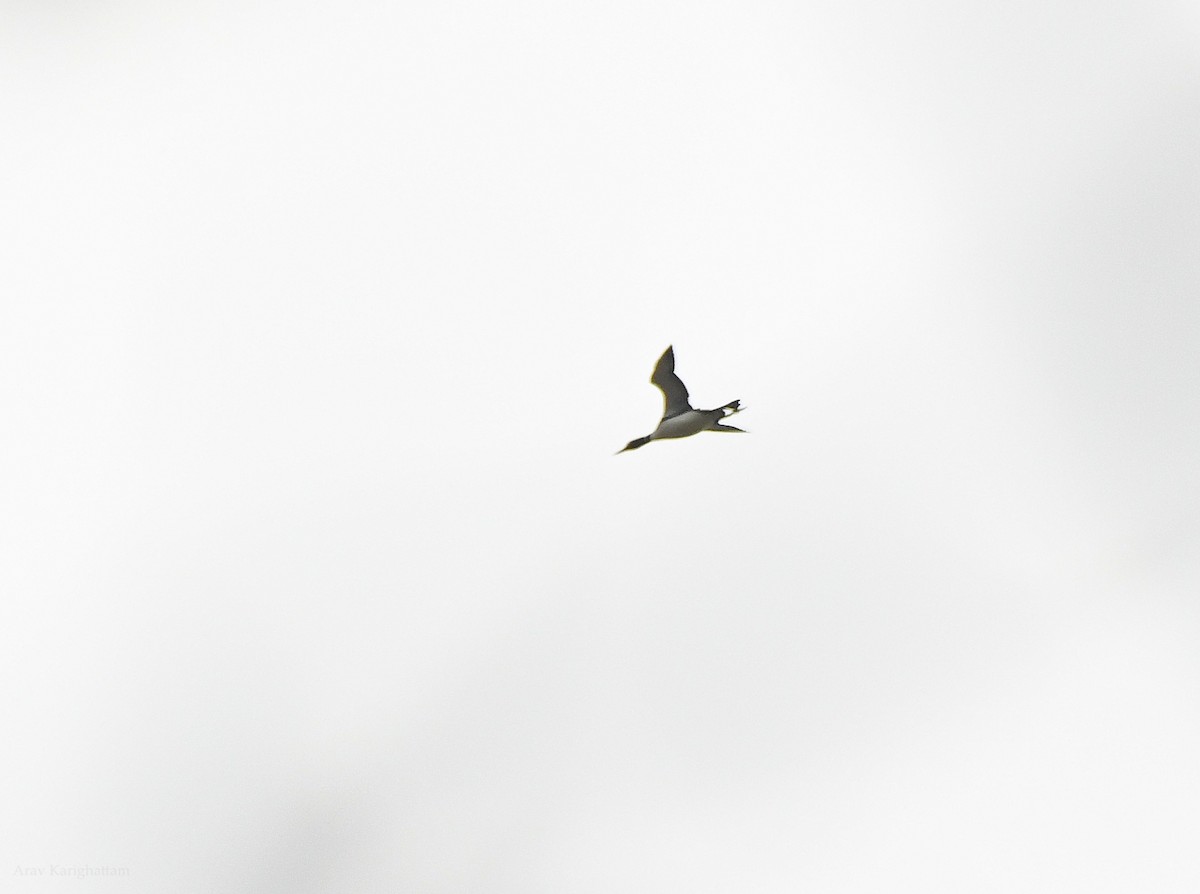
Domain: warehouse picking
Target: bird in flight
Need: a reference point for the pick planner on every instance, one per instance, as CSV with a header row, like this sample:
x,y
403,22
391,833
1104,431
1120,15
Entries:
x,y
679,419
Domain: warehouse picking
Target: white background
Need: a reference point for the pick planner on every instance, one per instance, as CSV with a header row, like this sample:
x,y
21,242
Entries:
x,y
322,322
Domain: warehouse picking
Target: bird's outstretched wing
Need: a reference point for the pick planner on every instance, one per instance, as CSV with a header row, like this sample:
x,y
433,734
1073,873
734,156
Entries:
x,y
675,395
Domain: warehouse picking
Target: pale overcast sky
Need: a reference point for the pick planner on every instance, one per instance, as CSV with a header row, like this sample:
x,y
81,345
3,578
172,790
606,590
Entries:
x,y
320,326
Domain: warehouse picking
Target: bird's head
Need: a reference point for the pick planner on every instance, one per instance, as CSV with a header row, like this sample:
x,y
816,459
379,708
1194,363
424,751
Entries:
x,y
634,444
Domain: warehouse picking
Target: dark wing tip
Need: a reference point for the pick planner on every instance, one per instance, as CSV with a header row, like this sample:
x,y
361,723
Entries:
x,y
666,362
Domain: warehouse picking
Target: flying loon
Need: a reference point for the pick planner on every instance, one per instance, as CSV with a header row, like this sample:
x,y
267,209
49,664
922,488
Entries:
x,y
679,419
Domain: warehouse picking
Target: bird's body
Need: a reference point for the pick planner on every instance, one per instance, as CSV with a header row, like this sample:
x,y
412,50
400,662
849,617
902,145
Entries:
x,y
686,424
679,419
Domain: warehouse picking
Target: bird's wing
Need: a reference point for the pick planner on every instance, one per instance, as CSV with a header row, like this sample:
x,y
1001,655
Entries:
x,y
675,395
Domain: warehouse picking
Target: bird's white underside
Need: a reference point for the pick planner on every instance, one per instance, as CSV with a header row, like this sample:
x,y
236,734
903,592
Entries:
x,y
683,425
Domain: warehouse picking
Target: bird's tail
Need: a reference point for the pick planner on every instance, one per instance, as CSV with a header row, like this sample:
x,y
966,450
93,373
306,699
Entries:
x,y
734,406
